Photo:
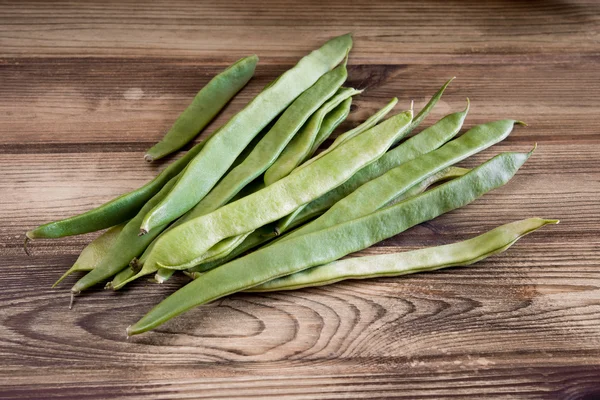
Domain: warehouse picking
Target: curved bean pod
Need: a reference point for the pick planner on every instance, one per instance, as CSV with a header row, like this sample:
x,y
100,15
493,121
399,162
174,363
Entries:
x,y
127,246
182,246
206,104
382,190
462,253
94,252
221,150
426,141
300,146
117,210
327,245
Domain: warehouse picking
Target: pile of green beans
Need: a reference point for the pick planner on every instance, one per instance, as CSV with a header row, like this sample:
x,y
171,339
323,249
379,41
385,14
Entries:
x,y
256,207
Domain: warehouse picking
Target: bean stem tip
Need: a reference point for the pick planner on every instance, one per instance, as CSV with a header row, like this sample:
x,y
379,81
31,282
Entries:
x,y
25,244
148,158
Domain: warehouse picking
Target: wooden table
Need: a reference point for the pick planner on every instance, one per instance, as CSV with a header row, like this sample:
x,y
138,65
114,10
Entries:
x,y
86,87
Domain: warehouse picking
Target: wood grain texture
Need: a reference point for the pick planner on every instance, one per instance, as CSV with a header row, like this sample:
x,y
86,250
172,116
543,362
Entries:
x,y
86,87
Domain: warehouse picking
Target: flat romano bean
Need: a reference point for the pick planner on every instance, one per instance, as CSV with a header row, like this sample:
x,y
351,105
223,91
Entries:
x,y
462,253
117,210
368,124
222,149
382,190
127,246
300,146
327,245
426,141
206,104
183,246
94,252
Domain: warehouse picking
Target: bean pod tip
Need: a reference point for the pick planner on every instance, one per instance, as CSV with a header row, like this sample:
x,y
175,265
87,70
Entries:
x,y
148,158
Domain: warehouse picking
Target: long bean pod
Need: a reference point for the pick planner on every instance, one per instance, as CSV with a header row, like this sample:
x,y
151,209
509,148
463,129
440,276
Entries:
x,y
426,141
206,104
117,210
462,253
327,245
221,150
382,190
181,247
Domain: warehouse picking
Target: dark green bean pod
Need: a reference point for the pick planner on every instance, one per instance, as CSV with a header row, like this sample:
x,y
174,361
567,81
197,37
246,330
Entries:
x,y
327,245
206,104
117,210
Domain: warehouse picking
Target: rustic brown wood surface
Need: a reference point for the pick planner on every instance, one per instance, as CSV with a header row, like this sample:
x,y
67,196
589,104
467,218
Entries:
x,y
86,87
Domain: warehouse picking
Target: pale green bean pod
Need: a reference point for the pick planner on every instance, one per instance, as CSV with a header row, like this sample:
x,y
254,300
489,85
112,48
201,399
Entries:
x,y
462,253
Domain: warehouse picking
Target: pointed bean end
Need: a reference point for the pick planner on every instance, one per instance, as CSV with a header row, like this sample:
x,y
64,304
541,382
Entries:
x,y
532,150
521,123
148,158
552,221
468,105
142,232
108,286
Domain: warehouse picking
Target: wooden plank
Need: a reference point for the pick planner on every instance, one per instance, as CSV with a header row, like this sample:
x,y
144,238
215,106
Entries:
x,y
86,87
125,105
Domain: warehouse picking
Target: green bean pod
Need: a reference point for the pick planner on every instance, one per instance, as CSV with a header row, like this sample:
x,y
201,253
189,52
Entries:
x,y
117,210
426,141
222,149
127,246
205,106
462,253
299,148
327,245
93,253
382,190
184,245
